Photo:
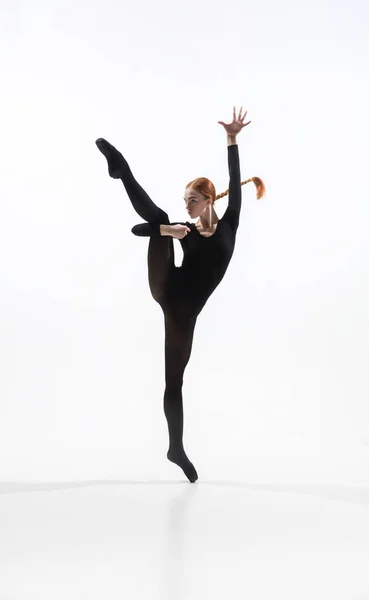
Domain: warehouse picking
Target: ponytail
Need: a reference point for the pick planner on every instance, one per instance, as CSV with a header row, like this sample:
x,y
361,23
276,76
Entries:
x,y
259,184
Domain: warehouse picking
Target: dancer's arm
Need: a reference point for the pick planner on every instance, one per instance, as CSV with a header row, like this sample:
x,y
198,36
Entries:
x,y
148,229
232,214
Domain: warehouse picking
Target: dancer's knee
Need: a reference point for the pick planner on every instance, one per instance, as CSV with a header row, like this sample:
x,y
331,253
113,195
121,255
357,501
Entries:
x,y
173,383
153,226
162,217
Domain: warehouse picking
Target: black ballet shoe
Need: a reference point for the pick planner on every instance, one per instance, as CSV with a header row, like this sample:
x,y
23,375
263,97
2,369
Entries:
x,y
180,458
116,162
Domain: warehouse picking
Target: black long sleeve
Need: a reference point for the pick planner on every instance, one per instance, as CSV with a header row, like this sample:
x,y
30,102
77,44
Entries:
x,y
148,229
232,214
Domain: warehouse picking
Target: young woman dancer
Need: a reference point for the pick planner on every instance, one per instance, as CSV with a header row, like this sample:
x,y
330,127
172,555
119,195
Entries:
x,y
183,291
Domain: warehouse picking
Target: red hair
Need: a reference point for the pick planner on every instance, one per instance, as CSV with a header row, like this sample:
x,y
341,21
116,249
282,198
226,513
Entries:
x,y
206,187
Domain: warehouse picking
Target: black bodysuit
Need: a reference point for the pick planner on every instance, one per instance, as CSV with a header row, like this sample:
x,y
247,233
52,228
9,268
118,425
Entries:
x,y
181,291
187,288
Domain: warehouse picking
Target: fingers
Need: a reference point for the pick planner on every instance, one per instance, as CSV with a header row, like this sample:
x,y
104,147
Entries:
x,y
240,116
237,119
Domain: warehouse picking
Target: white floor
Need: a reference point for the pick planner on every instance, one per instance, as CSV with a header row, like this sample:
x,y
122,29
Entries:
x,y
171,540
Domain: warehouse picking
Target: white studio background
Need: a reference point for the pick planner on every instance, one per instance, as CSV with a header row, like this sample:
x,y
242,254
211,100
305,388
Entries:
x,y
277,386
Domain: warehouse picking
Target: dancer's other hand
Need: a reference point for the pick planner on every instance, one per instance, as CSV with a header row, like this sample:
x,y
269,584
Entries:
x,y
237,124
179,231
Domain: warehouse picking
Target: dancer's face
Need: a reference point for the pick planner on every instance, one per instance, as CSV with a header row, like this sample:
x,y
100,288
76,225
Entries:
x,y
196,203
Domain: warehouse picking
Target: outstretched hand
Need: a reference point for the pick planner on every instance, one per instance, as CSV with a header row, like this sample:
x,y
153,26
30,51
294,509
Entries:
x,y
237,124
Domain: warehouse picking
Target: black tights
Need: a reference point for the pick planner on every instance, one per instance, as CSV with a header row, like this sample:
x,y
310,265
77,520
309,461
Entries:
x,y
179,331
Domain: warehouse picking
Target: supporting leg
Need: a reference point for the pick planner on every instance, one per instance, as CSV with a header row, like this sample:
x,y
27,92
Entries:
x,y
178,345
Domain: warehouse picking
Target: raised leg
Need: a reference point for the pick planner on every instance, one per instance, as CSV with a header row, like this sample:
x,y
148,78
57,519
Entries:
x,y
178,345
119,169
161,251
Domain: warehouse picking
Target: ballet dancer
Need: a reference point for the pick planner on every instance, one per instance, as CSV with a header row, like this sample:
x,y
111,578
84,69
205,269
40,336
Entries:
x,y
182,292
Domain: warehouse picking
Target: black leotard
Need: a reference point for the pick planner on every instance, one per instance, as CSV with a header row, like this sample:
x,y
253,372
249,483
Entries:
x,y
205,259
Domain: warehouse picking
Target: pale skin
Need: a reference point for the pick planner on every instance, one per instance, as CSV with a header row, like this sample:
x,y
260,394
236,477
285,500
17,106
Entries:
x,y
197,205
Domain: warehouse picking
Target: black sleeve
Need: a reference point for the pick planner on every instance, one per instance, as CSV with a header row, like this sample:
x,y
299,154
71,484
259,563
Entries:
x,y
232,213
148,229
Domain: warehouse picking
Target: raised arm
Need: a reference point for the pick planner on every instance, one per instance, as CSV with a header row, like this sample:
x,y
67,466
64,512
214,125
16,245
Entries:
x,y
232,213
234,202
